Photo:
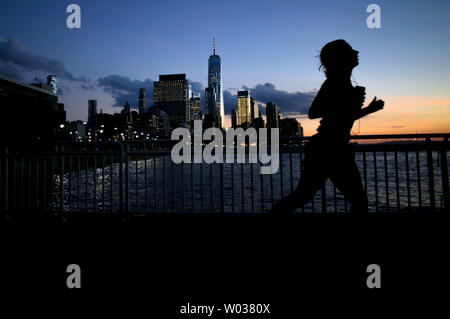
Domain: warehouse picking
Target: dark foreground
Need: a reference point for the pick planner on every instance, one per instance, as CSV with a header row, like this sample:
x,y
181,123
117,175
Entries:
x,y
157,263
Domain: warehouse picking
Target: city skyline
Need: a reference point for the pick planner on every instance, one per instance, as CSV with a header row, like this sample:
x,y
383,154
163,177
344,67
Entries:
x,y
403,63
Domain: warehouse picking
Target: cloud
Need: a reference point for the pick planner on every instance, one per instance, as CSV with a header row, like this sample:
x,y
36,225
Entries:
x,y
123,89
397,126
63,89
230,101
10,70
290,104
87,87
14,60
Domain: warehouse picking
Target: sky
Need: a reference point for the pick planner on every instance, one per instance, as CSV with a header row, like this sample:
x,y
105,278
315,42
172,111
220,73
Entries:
x,y
268,47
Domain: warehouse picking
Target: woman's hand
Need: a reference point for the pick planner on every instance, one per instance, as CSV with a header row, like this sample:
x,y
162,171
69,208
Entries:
x,y
375,105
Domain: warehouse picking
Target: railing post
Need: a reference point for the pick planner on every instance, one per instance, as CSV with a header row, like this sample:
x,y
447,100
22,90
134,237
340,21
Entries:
x,y
121,181
61,180
324,198
222,205
430,175
444,173
126,180
6,179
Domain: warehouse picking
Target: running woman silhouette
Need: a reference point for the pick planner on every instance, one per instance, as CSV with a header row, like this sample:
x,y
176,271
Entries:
x,y
327,154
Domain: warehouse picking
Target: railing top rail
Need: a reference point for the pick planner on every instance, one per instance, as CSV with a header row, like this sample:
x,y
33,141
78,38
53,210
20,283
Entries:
x,y
402,136
352,137
381,136
120,144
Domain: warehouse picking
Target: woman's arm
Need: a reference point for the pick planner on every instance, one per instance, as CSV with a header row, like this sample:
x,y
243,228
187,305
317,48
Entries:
x,y
373,107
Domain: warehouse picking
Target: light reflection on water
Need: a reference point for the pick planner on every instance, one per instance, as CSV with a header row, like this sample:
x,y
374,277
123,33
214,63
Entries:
x,y
196,187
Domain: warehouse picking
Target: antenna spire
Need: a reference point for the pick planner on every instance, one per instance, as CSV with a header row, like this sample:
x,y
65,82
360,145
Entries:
x,y
214,45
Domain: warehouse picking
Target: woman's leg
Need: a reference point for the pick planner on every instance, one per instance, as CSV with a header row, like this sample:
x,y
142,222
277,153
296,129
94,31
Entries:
x,y
347,179
312,178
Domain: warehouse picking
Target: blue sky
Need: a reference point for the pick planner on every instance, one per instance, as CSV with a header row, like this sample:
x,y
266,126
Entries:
x,y
259,41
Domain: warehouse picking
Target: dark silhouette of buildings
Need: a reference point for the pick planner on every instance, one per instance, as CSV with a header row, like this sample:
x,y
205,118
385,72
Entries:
x,y
126,108
272,115
142,101
92,110
77,130
211,118
234,118
290,127
126,125
258,122
29,113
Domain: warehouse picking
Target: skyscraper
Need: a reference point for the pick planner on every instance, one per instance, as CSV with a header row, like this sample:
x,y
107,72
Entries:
x,y
254,110
244,113
215,109
92,110
126,108
212,116
234,118
51,82
142,101
171,94
272,115
195,107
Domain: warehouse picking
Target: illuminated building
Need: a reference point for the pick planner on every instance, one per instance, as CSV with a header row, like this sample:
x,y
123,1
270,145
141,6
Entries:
x,y
195,107
244,113
171,94
214,91
52,80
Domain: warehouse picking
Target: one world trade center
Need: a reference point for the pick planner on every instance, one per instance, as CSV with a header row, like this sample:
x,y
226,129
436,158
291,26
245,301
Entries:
x,y
214,92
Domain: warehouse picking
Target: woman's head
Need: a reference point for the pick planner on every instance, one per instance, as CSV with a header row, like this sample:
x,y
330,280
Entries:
x,y
338,58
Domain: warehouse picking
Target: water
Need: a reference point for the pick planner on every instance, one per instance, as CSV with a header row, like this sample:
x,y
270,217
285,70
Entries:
x,y
156,184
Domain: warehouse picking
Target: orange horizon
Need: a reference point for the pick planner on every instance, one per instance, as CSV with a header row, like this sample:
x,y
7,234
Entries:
x,y
401,115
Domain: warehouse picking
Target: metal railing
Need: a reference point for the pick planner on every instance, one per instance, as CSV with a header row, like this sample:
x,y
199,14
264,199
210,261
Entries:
x,y
140,177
